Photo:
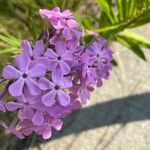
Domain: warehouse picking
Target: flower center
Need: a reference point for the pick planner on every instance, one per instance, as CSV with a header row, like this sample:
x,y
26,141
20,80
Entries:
x,y
24,75
97,55
59,57
32,58
56,87
27,103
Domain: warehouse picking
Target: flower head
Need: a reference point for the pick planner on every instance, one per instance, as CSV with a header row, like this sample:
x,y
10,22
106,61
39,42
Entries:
x,y
54,76
23,76
60,58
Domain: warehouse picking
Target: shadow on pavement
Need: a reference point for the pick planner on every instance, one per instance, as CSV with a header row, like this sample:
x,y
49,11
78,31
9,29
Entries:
x,y
117,111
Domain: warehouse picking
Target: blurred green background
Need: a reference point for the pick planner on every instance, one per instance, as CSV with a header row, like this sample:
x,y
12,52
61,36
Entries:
x,y
19,19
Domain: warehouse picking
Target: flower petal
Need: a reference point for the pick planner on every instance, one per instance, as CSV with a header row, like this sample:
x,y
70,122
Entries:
x,y
65,69
45,13
10,72
26,113
52,65
38,118
47,133
72,23
84,96
45,84
38,48
38,70
60,47
57,76
50,53
67,33
15,89
64,98
65,82
23,62
68,56
49,98
33,87
12,106
26,47
57,124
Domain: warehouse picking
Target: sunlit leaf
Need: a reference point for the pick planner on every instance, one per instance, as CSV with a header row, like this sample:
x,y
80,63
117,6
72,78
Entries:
x,y
122,4
11,40
137,38
132,8
131,45
105,5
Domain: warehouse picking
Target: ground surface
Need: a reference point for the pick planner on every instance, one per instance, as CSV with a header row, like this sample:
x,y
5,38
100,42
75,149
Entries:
x,y
118,114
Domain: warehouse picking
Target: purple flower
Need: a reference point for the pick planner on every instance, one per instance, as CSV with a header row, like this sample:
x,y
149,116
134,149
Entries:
x,y
23,76
55,16
60,58
13,129
88,69
99,53
29,107
64,22
55,13
55,90
36,53
70,29
58,111
46,129
53,77
84,92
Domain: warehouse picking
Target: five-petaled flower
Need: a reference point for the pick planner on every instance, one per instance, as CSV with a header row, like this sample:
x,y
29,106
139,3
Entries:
x,y
23,76
60,58
55,90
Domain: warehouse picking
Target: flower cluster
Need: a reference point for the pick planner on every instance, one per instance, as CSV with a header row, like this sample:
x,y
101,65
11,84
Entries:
x,y
54,76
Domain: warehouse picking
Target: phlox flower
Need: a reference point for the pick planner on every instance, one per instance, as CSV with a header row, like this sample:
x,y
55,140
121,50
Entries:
x,y
23,76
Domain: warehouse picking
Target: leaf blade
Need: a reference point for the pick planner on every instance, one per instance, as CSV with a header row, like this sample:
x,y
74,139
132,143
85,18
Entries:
x,y
131,45
137,38
105,5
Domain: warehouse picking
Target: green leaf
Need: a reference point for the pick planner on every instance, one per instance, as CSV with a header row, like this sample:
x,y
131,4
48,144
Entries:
x,y
86,23
121,9
146,4
11,40
9,50
145,18
104,20
105,5
129,43
137,38
132,8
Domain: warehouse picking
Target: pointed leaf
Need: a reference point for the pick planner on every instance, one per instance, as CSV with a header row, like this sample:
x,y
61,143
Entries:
x,y
106,6
132,8
122,9
137,38
129,43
